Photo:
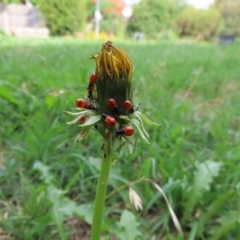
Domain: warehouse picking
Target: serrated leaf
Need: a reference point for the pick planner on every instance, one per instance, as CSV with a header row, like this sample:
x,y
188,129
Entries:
x,y
203,177
205,173
45,175
67,206
129,226
85,211
146,119
217,204
227,222
55,195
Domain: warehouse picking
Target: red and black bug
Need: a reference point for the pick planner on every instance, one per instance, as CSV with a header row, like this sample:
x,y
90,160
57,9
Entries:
x,y
83,119
109,120
81,103
126,131
92,80
112,104
129,106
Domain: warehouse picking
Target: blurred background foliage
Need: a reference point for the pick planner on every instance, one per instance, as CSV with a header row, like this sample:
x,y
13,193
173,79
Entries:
x,y
65,17
230,13
47,177
152,17
198,24
155,19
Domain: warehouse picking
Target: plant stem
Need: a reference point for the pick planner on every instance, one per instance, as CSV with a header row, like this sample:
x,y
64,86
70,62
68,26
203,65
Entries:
x,y
101,191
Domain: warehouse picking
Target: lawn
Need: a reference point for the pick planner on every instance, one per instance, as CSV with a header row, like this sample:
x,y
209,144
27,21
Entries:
x,y
48,178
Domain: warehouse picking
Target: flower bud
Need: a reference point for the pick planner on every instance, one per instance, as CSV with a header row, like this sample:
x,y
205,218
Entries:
x,y
114,70
109,105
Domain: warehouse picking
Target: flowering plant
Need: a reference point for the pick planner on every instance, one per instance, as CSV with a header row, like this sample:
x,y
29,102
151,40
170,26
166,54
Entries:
x,y
109,109
109,105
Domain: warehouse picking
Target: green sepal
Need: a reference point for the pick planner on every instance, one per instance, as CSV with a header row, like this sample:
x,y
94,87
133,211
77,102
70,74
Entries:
x,y
79,115
102,130
84,133
146,119
141,123
141,131
131,144
124,117
85,112
75,120
92,120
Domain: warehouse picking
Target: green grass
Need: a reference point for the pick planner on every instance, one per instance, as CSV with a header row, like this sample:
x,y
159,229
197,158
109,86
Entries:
x,y
48,179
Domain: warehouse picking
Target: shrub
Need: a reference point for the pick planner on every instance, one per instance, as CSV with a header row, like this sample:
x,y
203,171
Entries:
x,y
65,17
230,12
199,24
153,16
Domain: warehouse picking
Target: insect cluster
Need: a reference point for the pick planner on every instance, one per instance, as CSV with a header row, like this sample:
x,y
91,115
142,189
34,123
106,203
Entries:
x,y
108,106
111,118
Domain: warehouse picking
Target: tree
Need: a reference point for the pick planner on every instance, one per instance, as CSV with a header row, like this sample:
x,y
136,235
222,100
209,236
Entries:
x,y
230,11
153,16
64,17
198,24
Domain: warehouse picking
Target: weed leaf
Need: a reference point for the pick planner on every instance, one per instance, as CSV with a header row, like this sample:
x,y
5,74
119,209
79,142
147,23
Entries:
x,y
129,226
205,173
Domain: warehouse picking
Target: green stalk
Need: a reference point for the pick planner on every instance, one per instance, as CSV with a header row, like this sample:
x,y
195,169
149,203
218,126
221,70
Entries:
x,y
101,191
